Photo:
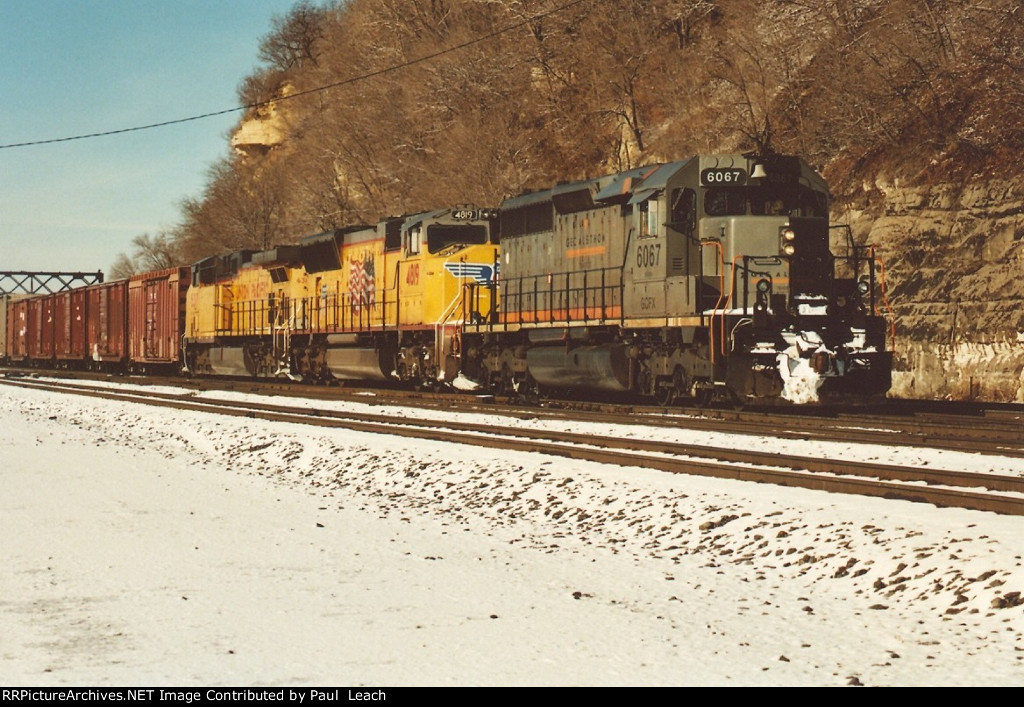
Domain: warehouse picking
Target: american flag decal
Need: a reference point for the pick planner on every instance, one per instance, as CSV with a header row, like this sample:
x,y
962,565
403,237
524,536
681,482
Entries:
x,y
361,284
479,273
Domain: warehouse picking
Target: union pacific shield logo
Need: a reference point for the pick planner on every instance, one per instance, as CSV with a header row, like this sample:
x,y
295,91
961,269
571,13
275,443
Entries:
x,y
479,273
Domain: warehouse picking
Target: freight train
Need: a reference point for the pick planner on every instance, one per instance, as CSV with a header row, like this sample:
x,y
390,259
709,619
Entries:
x,y
712,277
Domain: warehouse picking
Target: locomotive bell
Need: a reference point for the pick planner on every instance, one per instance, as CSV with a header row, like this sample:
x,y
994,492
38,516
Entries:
x,y
758,172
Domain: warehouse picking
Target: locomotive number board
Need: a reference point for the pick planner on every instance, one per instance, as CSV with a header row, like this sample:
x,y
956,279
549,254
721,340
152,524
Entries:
x,y
722,176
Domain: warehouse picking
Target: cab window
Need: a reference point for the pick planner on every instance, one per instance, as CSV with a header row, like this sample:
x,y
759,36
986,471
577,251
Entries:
x,y
440,236
684,211
648,214
725,202
412,241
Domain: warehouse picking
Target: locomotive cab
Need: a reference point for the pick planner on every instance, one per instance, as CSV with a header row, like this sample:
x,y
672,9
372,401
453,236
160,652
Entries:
x,y
447,275
785,325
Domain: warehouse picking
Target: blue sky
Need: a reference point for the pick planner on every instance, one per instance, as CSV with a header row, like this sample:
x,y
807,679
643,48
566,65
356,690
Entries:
x,y
72,67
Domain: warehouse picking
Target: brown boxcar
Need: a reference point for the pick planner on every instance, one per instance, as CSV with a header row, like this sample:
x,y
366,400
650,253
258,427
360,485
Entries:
x,y
17,329
40,334
69,312
156,316
107,322
5,301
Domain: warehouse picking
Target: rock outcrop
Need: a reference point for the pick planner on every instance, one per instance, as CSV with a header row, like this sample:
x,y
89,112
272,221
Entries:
x,y
262,129
954,257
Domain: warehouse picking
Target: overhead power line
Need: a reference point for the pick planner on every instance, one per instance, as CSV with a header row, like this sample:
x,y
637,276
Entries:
x,y
318,89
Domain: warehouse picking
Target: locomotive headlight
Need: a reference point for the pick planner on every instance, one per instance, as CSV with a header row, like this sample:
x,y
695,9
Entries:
x,y
863,286
788,235
789,249
763,286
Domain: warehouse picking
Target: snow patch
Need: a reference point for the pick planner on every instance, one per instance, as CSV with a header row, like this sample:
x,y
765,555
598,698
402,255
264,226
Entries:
x,y
460,382
800,381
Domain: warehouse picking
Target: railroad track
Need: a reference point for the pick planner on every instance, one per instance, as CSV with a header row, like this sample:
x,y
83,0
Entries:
x,y
900,424
1000,494
1000,434
960,433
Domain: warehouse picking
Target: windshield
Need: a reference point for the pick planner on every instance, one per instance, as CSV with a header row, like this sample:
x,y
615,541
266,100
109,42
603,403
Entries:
x,y
441,236
764,201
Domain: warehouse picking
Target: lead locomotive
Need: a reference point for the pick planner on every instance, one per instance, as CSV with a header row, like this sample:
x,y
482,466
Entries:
x,y
709,277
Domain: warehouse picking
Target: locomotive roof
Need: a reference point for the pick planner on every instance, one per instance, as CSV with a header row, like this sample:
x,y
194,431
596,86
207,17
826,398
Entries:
x,y
526,199
536,197
620,186
336,235
415,219
658,178
278,255
639,183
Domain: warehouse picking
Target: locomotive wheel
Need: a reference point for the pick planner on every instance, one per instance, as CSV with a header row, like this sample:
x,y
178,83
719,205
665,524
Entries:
x,y
676,385
529,391
665,395
505,384
738,401
702,397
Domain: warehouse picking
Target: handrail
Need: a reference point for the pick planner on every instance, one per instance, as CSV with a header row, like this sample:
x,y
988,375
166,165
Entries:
x,y
722,297
732,295
563,296
442,321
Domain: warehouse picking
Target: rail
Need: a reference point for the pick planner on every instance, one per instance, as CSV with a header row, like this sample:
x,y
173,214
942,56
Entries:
x,y
940,487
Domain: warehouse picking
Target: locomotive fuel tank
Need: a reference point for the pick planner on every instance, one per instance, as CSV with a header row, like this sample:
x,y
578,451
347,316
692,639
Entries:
x,y
572,358
348,359
227,361
602,367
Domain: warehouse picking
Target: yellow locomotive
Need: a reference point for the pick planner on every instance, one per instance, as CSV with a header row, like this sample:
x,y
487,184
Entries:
x,y
384,302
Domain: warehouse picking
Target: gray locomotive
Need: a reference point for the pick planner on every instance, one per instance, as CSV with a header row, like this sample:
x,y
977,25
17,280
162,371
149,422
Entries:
x,y
712,277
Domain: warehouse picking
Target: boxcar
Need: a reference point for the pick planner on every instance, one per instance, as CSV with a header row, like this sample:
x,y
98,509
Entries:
x,y
5,301
107,323
16,326
156,317
69,312
40,334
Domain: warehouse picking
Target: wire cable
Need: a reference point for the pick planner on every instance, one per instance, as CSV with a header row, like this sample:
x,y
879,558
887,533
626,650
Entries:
x,y
318,89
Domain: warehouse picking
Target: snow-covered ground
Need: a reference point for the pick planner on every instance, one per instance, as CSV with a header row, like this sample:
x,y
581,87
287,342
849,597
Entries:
x,y
142,546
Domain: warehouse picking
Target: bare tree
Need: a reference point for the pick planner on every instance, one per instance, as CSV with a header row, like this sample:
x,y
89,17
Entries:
x,y
122,268
155,252
295,38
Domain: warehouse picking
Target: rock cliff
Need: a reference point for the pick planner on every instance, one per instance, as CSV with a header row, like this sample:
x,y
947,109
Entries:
x,y
954,257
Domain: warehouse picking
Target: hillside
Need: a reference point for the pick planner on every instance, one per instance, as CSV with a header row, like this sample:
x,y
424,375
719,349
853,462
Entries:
x,y
910,107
